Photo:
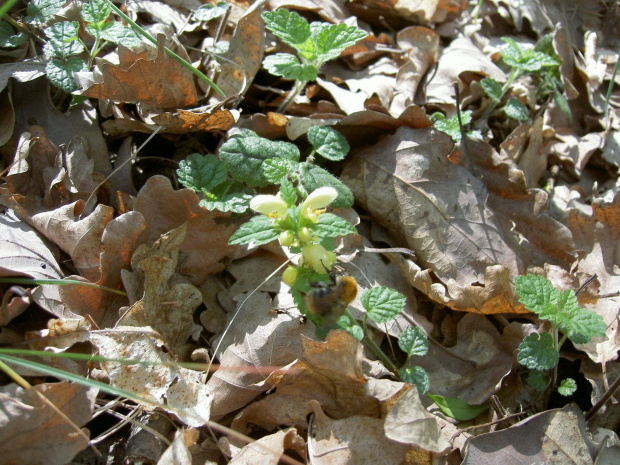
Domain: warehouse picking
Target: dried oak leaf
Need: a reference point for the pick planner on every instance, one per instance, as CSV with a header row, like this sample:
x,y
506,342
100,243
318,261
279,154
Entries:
x,y
596,238
32,432
206,241
329,372
440,211
167,304
161,83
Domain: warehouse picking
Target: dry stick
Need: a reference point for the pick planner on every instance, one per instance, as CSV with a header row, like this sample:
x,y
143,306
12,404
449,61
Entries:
x,y
610,392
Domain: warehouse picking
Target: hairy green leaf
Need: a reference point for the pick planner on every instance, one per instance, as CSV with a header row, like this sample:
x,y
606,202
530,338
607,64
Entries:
x,y
331,225
313,177
289,67
537,352
516,110
328,142
288,26
96,11
383,303
201,172
417,376
567,387
259,230
8,38
492,88
413,341
335,38
235,202
63,41
354,330
538,380
209,11
40,11
60,72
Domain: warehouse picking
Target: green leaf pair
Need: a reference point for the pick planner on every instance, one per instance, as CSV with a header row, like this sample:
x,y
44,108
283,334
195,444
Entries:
x,y
315,43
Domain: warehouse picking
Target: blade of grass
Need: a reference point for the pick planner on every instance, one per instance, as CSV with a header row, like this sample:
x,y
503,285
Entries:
x,y
58,282
6,7
150,38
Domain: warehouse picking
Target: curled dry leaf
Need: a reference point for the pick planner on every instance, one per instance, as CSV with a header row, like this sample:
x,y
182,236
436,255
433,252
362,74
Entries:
x,y
167,304
269,449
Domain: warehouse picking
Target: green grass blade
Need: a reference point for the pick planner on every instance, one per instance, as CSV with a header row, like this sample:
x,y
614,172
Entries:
x,y
59,282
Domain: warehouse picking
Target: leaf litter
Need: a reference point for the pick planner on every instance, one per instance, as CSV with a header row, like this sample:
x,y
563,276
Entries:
x,y
533,189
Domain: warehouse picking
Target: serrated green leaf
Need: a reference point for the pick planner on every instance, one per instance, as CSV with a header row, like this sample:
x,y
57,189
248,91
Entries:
x,y
116,33
583,325
244,157
536,352
332,40
276,168
60,72
331,225
516,110
259,230
287,191
449,126
492,88
63,41
383,303
536,293
567,387
288,26
537,380
235,202
354,330
201,172
96,11
457,408
417,376
413,341
40,11
312,177
8,38
328,142
289,67
209,11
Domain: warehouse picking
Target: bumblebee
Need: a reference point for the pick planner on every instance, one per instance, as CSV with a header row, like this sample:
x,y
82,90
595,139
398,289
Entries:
x,y
328,300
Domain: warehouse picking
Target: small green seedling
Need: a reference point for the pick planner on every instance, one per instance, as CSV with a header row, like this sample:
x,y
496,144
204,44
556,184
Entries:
x,y
315,44
451,125
540,352
247,161
540,62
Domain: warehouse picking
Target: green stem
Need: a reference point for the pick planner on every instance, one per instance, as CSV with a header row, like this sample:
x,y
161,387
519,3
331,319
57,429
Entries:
x,y
299,86
556,344
505,87
150,38
372,346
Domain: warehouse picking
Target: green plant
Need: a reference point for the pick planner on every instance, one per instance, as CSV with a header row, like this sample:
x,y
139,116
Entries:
x,y
451,125
315,44
540,352
541,62
247,161
65,47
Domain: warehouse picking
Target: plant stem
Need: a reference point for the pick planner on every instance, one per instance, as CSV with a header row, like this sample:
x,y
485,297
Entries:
x,y
372,346
299,86
150,38
511,78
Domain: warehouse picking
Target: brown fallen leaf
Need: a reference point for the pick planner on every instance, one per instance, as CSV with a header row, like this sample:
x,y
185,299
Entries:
x,y
168,304
269,449
356,439
556,436
330,372
161,82
206,240
31,432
